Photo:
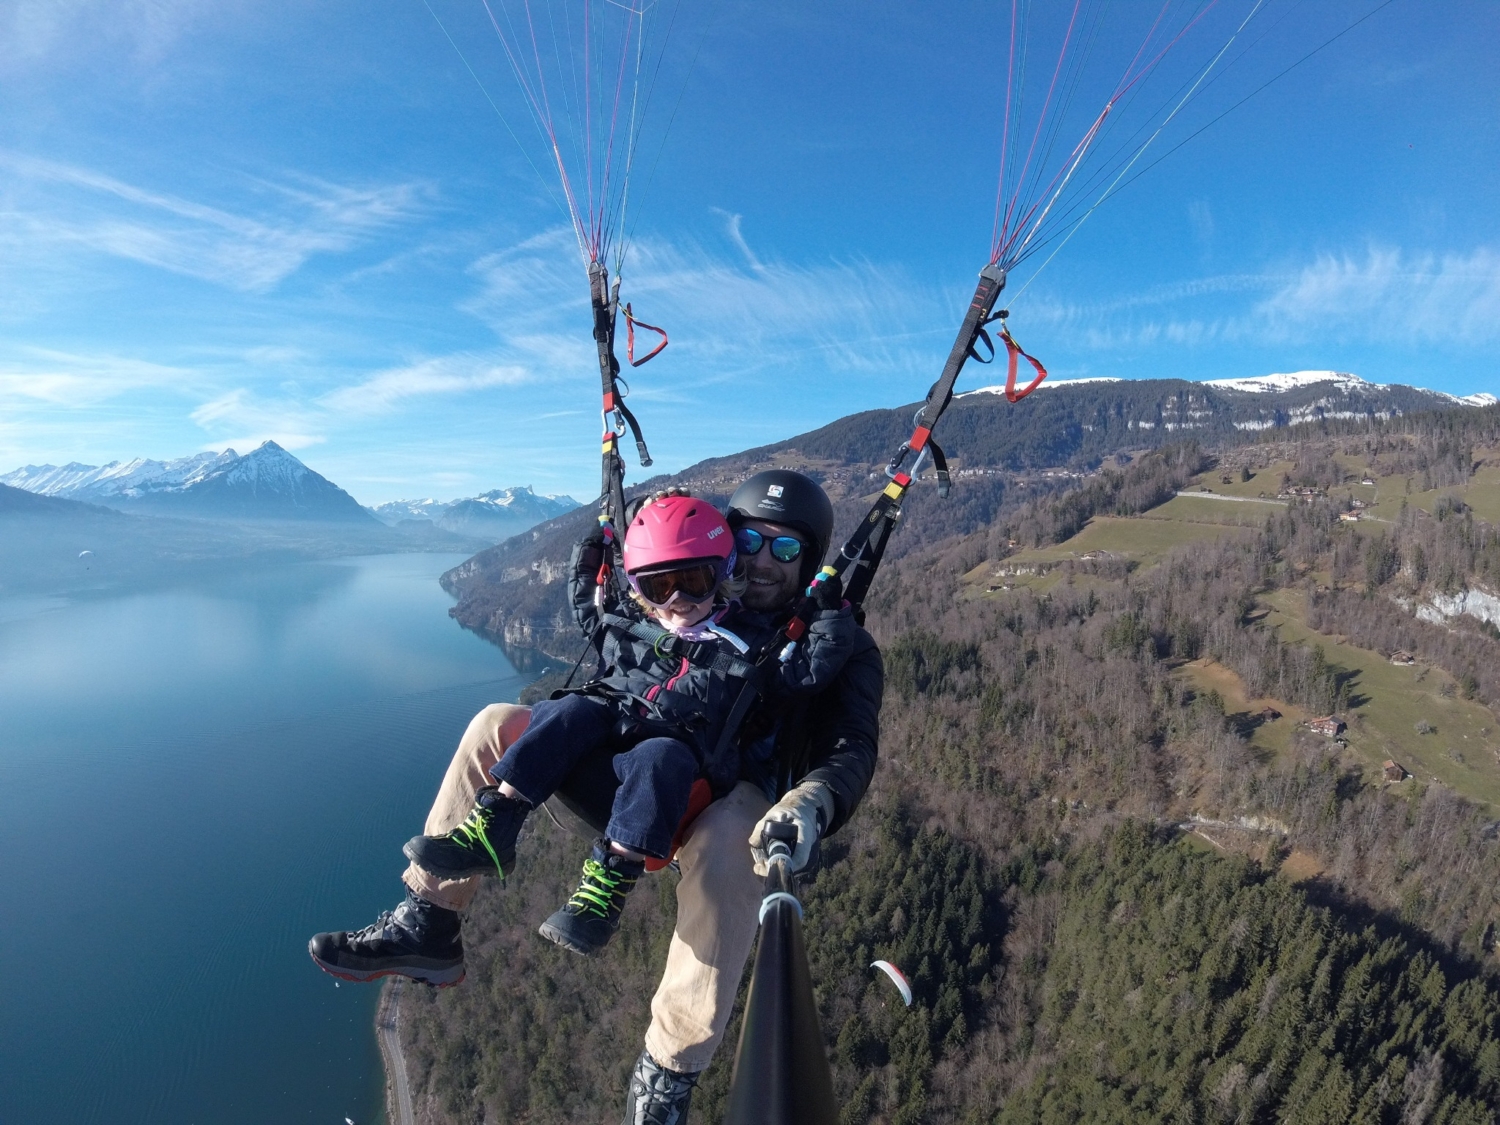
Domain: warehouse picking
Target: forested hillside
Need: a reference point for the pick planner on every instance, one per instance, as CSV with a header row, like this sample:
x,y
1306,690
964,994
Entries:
x,y
1128,879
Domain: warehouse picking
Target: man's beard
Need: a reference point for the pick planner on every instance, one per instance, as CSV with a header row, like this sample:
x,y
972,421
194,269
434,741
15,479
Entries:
x,y
768,598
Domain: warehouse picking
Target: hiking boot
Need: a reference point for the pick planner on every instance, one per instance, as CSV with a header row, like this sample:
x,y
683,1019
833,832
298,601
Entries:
x,y
418,939
484,842
656,1095
592,915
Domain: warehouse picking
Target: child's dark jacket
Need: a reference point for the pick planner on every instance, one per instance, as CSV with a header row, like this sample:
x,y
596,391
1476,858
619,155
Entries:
x,y
663,685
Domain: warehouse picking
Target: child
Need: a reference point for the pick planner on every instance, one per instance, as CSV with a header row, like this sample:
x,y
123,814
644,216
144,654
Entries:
x,y
672,665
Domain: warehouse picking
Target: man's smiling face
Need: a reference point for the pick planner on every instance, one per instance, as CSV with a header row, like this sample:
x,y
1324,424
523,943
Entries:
x,y
772,583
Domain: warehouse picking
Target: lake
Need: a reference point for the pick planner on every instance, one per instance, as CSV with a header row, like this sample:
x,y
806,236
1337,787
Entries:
x,y
192,782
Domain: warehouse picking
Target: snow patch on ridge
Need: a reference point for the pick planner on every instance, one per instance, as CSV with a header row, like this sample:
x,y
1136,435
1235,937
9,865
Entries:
x,y
999,388
1292,380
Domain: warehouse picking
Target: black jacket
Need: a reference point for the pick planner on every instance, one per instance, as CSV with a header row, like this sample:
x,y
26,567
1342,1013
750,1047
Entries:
x,y
834,737
661,684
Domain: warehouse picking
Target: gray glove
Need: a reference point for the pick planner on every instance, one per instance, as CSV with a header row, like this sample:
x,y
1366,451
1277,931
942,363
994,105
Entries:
x,y
810,807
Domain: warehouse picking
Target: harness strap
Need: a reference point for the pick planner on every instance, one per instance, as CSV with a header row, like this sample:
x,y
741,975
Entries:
x,y
864,549
701,654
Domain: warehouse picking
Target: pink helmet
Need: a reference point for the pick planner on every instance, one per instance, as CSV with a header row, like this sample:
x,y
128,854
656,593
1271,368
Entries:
x,y
675,530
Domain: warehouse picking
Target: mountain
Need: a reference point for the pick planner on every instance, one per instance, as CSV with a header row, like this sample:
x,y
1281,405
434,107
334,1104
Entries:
x,y
1000,454
495,515
18,502
1185,810
266,484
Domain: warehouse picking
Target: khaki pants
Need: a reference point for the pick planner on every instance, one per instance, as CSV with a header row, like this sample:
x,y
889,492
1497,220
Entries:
x,y
718,896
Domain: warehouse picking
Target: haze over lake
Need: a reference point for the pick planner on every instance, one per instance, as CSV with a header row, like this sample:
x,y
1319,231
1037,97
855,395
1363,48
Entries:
x,y
192,782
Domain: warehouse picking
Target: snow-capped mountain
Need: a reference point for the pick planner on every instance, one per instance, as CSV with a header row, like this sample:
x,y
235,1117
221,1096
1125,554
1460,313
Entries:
x,y
495,515
268,483
1336,380
129,479
1259,403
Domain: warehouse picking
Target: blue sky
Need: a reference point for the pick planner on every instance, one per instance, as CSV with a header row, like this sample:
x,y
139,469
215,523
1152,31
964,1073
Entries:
x,y
223,222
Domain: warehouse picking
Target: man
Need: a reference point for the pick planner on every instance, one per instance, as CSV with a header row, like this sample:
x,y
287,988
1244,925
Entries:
x,y
808,765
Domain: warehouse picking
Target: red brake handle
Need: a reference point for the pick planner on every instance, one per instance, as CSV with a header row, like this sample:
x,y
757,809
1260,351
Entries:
x,y
630,323
1014,352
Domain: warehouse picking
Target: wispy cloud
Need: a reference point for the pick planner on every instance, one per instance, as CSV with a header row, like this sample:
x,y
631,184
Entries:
x,y
733,226
1422,297
1350,298
62,205
852,317
61,379
35,30
445,375
244,420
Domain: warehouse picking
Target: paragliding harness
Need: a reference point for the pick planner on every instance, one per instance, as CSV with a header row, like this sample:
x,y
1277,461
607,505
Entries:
x,y
861,553
726,667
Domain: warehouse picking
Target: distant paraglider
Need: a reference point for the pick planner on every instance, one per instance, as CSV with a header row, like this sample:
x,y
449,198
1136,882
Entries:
x,y
898,978
85,554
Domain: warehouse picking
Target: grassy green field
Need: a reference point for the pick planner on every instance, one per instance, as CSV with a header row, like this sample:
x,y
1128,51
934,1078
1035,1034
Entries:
x,y
1201,507
1146,541
1273,737
1462,752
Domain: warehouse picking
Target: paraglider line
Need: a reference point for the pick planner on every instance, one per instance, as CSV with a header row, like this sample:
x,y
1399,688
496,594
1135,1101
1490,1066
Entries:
x,y
1252,93
1043,116
463,59
1107,191
1014,255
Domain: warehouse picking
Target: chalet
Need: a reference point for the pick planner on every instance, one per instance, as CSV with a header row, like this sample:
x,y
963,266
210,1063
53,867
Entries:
x,y
1269,714
1329,726
1349,517
1357,504
1367,480
1402,657
1393,770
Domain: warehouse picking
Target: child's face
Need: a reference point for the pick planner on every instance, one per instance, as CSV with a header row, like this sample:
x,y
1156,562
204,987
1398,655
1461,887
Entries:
x,y
681,611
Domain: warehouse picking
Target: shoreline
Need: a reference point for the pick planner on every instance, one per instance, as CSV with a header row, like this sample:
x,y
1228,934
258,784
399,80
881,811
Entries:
x,y
398,1103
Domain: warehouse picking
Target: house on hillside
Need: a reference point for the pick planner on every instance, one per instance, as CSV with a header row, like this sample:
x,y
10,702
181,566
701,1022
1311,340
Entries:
x,y
1329,726
1367,480
1393,771
1268,715
1402,657
1349,517
1357,504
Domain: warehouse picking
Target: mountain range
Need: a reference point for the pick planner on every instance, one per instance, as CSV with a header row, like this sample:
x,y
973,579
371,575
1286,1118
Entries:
x,y
494,515
266,484
999,454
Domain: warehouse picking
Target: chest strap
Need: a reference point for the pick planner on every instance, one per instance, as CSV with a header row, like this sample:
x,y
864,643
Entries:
x,y
708,655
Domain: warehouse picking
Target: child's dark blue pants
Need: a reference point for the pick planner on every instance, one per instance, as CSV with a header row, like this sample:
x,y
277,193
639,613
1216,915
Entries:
x,y
655,775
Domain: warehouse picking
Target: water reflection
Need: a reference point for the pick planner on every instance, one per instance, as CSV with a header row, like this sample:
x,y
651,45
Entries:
x,y
191,782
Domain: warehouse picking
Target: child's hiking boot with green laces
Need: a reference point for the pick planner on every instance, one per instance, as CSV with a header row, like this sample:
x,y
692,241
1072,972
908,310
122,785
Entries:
x,y
592,915
484,843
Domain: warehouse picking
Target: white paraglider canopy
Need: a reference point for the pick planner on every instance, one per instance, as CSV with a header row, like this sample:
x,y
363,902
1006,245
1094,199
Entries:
x,y
898,978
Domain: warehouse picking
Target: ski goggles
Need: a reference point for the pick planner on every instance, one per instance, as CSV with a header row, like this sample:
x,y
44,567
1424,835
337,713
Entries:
x,y
694,582
784,548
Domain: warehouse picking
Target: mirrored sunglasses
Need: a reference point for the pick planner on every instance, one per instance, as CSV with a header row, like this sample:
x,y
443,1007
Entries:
x,y
694,582
784,548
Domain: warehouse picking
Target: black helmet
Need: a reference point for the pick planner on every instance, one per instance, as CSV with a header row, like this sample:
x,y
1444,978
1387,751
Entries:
x,y
788,498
